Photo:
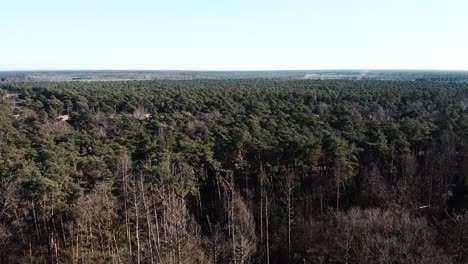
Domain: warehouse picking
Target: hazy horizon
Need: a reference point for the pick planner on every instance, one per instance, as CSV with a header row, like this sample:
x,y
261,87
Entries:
x,y
235,70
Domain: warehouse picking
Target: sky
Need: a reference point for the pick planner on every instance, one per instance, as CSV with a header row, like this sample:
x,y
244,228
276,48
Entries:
x,y
233,35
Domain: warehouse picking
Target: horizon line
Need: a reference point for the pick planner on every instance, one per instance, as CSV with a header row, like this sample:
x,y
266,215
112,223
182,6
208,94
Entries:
x,y
233,70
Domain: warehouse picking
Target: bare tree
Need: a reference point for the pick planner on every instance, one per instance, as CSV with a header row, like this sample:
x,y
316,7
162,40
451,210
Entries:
x,y
9,201
288,186
94,231
241,224
384,236
124,170
264,205
180,239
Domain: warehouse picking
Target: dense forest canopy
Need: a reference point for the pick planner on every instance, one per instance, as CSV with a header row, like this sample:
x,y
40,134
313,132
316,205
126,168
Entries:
x,y
234,171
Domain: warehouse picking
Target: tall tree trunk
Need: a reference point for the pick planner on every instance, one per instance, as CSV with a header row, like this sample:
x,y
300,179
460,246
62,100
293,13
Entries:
x,y
233,229
127,217
158,240
149,224
267,232
137,221
289,227
337,193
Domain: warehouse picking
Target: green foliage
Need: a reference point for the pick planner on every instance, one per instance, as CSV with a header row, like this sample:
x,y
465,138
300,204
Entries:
x,y
202,144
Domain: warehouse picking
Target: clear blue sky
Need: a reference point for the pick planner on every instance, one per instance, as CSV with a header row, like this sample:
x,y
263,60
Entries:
x,y
233,35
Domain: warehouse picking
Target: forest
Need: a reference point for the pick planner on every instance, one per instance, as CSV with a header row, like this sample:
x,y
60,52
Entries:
x,y
234,171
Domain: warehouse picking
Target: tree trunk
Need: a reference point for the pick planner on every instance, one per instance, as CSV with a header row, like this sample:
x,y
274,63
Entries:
x,y
148,219
337,193
137,220
267,233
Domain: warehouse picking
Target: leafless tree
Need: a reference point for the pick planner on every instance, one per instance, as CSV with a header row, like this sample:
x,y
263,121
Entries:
x,y
9,202
94,234
288,186
241,224
123,171
264,206
384,236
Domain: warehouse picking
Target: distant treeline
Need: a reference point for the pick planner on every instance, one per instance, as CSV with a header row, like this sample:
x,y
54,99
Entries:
x,y
108,75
